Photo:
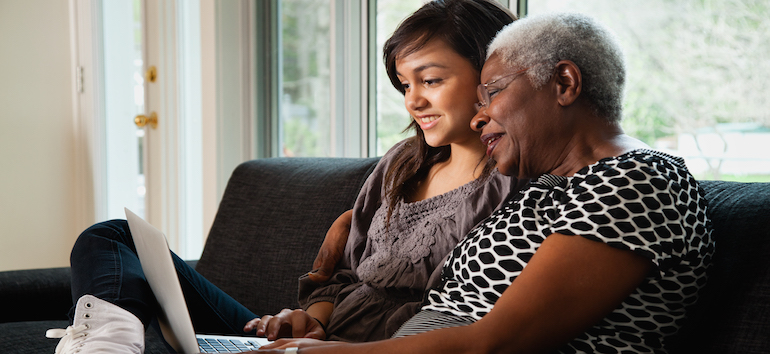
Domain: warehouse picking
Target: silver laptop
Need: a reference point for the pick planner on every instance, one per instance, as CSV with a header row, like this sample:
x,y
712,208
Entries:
x,y
174,319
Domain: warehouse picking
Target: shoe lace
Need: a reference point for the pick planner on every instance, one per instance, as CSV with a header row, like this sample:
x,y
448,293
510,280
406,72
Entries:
x,y
70,338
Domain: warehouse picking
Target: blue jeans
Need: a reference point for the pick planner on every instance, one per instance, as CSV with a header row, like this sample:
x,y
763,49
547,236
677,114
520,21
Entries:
x,y
104,264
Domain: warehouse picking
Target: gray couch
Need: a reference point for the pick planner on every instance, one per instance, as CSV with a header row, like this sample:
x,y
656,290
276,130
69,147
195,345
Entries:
x,y
275,213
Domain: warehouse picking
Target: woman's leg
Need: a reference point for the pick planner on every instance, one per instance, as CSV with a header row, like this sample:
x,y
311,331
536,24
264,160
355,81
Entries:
x,y
105,264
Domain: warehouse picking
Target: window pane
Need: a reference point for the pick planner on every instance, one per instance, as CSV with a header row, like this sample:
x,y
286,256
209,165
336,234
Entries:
x,y
123,100
304,127
392,116
695,82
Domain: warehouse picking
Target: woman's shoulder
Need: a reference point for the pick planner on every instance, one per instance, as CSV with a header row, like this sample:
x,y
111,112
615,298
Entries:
x,y
641,184
387,159
376,180
486,194
643,200
505,186
652,156
648,176
498,185
638,165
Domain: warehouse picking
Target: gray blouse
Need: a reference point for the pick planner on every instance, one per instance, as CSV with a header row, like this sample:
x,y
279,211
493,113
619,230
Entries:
x,y
380,282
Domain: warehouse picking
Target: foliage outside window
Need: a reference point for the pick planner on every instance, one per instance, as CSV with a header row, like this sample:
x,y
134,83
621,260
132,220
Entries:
x,y
695,83
392,117
304,128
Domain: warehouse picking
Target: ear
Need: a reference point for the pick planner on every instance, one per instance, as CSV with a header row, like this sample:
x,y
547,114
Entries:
x,y
569,82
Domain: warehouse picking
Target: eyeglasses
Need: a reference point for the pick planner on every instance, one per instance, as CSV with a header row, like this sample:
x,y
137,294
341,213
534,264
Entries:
x,y
484,94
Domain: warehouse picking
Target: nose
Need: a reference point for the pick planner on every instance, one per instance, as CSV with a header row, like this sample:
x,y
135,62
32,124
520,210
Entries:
x,y
480,119
415,99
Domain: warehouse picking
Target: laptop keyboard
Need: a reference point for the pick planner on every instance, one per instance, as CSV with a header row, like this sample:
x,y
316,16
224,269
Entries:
x,y
213,345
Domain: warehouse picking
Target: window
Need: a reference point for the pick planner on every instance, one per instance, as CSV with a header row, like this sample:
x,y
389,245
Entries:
x,y
693,87
335,96
318,114
315,58
392,116
305,101
694,84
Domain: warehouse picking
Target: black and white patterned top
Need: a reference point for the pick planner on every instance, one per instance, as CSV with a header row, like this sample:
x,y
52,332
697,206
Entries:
x,y
644,201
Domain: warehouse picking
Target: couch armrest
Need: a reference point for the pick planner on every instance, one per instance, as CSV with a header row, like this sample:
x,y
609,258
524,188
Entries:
x,y
36,294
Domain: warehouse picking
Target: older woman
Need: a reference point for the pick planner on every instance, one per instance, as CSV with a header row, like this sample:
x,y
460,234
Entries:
x,y
607,246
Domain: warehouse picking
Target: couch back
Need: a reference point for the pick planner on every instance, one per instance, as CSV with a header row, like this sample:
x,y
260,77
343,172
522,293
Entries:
x,y
275,213
271,222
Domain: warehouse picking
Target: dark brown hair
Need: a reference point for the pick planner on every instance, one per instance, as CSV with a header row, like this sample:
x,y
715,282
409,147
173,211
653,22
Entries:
x,y
467,26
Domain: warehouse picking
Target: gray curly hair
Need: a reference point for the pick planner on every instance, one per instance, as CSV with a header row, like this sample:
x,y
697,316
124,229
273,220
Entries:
x,y
538,42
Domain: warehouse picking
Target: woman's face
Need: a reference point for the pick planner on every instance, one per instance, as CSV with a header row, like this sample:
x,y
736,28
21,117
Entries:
x,y
521,128
440,93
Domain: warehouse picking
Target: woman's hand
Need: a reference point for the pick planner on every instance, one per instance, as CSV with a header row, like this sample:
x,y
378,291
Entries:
x,y
297,343
287,323
279,346
332,249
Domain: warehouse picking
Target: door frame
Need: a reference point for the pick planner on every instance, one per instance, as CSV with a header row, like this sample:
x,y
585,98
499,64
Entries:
x,y
88,105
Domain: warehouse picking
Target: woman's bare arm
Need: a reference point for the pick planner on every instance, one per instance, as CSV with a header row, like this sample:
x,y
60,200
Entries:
x,y
569,284
332,249
299,323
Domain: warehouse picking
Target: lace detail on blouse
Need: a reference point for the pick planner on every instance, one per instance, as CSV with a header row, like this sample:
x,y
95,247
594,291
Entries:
x,y
412,232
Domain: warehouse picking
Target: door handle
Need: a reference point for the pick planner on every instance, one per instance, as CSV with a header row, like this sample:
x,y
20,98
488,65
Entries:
x,y
142,120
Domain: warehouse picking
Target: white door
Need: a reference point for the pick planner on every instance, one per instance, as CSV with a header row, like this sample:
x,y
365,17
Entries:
x,y
145,112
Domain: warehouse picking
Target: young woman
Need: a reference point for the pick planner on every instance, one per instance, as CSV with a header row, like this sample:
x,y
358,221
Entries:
x,y
426,192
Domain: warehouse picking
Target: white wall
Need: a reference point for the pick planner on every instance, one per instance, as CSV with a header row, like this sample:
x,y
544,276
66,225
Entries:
x,y
37,153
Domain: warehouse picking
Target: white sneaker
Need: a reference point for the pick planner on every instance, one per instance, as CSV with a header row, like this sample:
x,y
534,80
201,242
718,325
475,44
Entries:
x,y
100,327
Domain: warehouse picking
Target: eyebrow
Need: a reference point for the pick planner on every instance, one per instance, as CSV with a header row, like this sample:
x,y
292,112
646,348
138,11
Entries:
x,y
425,67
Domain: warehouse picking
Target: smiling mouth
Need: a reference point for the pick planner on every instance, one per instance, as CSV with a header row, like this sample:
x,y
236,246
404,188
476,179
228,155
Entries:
x,y
427,119
490,140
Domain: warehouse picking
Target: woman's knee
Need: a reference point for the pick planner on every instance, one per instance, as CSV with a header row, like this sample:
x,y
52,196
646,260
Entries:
x,y
102,234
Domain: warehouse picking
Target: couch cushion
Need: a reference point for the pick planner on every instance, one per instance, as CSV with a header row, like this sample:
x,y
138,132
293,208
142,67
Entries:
x,y
733,314
272,219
